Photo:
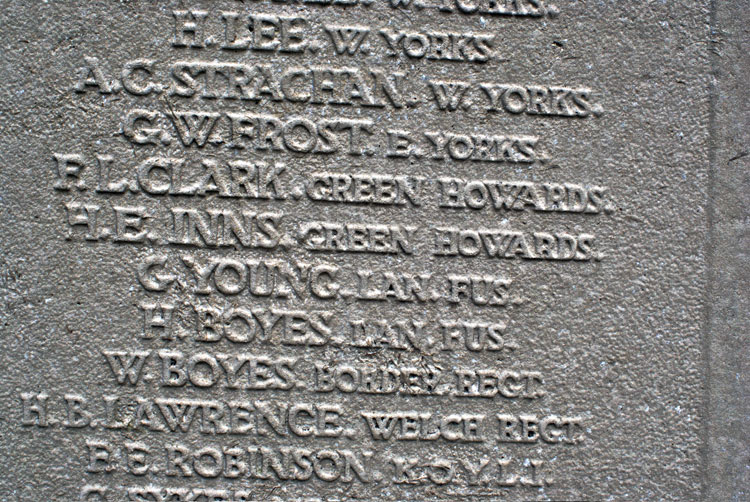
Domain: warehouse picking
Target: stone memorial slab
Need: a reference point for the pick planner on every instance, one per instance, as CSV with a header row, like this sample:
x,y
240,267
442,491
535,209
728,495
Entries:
x,y
373,250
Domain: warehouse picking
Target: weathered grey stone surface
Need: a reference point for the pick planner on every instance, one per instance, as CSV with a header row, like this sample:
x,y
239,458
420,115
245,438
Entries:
x,y
728,451
537,291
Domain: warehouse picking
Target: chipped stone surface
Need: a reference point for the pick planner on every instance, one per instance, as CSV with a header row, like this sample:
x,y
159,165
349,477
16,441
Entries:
x,y
373,250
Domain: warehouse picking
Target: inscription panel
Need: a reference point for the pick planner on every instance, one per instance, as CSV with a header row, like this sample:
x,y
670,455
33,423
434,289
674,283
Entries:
x,y
332,250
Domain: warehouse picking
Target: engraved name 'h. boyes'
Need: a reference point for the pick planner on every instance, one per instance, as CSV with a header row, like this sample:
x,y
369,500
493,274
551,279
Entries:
x,y
249,325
